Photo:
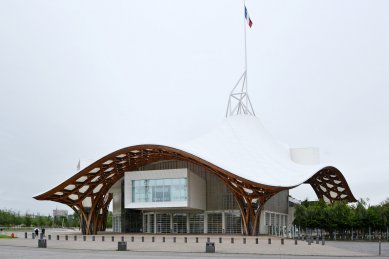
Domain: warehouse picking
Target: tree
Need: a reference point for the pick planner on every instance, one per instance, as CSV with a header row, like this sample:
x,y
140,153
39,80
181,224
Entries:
x,y
300,216
27,221
109,219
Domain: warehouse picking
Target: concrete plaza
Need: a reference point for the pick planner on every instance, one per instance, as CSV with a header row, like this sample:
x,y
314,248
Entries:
x,y
153,246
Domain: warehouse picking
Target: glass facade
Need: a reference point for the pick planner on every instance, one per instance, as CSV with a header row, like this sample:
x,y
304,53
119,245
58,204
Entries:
x,y
116,223
160,190
193,223
179,223
233,223
196,223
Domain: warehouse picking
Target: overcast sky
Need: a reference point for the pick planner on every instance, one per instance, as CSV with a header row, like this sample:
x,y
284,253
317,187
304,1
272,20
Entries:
x,y
80,79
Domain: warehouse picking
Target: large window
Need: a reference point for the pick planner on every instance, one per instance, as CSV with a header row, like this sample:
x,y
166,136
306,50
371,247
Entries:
x,y
159,190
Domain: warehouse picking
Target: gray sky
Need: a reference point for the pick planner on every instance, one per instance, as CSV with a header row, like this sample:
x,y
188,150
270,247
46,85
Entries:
x,y
80,79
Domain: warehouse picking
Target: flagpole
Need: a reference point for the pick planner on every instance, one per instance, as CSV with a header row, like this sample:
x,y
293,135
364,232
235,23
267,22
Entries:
x,y
245,47
245,41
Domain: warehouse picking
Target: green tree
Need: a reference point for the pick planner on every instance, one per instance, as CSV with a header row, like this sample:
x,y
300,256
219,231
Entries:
x,y
109,219
300,216
27,221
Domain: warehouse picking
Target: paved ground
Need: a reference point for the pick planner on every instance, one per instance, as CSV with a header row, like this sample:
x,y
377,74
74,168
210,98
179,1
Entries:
x,y
26,252
27,248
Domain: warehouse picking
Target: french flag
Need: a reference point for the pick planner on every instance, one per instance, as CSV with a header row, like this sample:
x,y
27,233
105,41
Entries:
x,y
246,15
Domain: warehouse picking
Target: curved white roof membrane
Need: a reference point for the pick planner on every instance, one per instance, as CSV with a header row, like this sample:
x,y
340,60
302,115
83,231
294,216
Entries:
x,y
242,146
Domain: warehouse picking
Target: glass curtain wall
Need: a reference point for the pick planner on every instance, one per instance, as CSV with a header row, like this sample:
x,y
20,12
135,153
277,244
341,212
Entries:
x,y
233,222
196,223
116,223
179,223
215,223
160,190
163,223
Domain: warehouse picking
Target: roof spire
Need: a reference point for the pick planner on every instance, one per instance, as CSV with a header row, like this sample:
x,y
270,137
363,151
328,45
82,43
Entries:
x,y
239,101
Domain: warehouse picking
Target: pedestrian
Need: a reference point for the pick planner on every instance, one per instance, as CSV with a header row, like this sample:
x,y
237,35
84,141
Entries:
x,y
36,232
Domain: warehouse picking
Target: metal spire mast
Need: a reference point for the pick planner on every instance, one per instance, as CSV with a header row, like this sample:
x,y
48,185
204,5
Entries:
x,y
239,101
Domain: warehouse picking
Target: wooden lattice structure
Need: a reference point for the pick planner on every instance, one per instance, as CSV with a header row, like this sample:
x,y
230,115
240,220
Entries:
x,y
87,191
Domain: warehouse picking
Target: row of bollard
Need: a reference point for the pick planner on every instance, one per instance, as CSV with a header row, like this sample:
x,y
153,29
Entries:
x,y
309,240
210,246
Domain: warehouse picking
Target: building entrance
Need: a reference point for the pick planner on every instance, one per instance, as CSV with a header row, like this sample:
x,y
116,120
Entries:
x,y
163,223
179,223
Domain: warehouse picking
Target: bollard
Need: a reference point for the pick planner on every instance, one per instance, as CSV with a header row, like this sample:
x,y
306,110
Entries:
x,y
123,239
256,241
295,241
102,238
174,239
33,236
208,239
163,239
220,240
244,240
42,243
323,242
57,237
132,239
232,240
309,241
84,237
75,238
122,246
143,239
49,237
269,241
379,248
185,239
66,237
317,240
210,247
113,238
152,239
25,234
93,238
282,241
197,239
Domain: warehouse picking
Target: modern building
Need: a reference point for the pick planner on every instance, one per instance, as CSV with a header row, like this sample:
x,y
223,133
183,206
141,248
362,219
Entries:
x,y
234,179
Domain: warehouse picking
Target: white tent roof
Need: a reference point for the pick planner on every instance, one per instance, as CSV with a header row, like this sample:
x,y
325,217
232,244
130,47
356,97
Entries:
x,y
243,147
239,145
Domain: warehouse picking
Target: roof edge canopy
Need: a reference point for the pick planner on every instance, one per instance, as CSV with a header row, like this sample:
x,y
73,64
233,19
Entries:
x,y
108,169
